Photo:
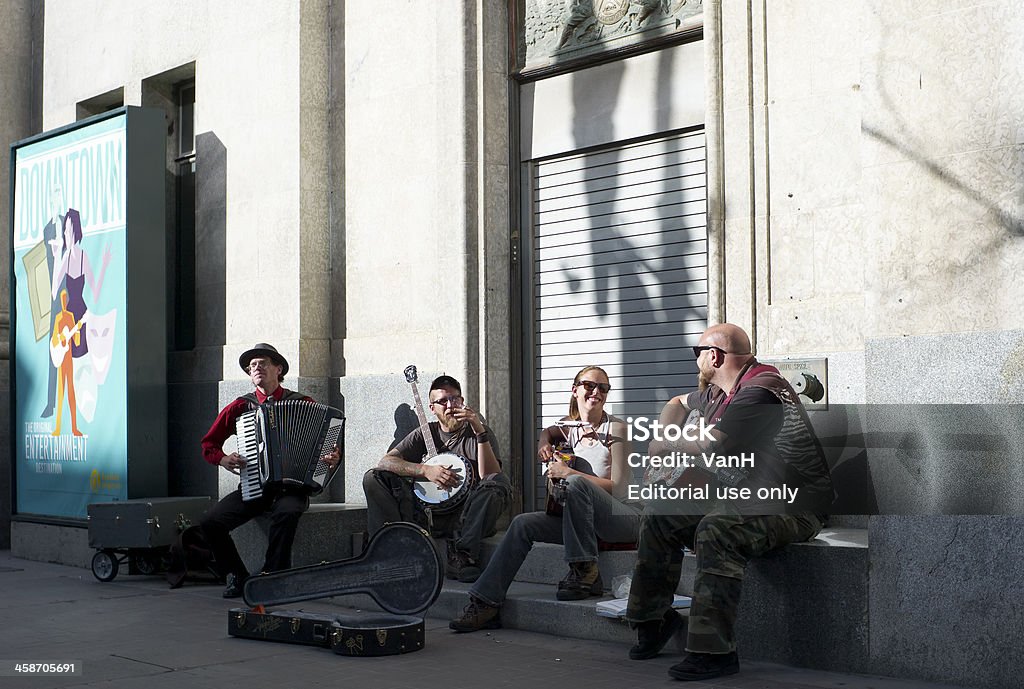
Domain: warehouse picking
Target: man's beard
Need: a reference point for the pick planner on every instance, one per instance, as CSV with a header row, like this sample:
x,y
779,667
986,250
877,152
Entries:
x,y
703,380
449,426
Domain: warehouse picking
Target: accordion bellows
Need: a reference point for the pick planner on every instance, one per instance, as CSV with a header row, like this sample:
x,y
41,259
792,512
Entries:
x,y
284,444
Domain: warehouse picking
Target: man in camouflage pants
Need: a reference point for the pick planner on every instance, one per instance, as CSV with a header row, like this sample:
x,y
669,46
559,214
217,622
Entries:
x,y
762,417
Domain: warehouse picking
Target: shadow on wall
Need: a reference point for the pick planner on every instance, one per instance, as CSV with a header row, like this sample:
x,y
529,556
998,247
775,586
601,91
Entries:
x,y
1014,225
194,377
900,136
926,459
405,423
630,273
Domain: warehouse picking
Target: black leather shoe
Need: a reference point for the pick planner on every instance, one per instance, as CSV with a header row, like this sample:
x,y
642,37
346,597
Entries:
x,y
234,587
698,666
652,636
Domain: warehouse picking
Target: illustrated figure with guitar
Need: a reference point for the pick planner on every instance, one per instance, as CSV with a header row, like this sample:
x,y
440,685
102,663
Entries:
x,y
66,334
595,482
754,410
445,474
266,369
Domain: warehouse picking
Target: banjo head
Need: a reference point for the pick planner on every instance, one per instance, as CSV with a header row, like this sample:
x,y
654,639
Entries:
x,y
432,496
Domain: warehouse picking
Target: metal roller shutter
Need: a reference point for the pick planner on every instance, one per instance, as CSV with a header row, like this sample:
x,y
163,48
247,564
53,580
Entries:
x,y
619,252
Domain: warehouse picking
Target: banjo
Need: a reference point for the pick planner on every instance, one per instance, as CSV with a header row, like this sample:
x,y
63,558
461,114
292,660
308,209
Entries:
x,y
430,496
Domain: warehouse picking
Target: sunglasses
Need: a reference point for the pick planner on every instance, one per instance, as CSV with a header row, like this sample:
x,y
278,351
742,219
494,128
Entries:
x,y
701,348
590,386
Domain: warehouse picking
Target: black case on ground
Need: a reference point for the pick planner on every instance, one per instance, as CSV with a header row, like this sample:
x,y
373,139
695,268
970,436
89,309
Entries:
x,y
350,634
142,522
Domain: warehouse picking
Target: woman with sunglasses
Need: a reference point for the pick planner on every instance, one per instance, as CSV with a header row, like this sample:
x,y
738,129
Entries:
x,y
593,507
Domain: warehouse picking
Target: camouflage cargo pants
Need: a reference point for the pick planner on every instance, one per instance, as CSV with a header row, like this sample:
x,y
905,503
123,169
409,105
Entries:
x,y
723,543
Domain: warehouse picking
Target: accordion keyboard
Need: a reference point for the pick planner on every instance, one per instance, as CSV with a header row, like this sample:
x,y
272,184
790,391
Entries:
x,y
248,447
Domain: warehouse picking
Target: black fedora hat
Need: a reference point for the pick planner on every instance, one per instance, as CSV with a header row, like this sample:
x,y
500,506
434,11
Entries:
x,y
263,349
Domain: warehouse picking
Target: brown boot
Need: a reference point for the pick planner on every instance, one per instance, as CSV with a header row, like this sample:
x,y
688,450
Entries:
x,y
582,581
460,565
476,616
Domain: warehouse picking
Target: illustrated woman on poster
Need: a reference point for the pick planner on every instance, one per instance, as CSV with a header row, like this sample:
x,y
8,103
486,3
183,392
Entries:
x,y
75,267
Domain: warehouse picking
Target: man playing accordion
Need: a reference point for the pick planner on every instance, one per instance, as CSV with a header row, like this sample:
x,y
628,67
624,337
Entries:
x,y
285,504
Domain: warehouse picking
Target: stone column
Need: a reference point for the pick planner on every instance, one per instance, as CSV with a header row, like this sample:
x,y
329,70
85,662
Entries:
x,y
426,217
20,26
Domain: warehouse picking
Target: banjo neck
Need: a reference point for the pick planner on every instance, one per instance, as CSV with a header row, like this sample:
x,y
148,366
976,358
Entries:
x,y
428,437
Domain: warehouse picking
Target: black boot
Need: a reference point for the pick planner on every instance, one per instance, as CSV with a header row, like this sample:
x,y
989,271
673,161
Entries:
x,y
652,636
698,666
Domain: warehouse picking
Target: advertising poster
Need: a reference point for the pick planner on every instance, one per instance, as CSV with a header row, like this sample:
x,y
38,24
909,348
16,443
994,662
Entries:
x,y
69,294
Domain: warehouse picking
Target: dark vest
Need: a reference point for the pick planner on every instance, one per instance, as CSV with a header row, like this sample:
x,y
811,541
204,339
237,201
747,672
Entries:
x,y
797,444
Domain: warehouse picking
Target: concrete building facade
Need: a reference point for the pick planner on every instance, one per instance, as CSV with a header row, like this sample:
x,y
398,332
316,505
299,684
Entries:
x,y
370,192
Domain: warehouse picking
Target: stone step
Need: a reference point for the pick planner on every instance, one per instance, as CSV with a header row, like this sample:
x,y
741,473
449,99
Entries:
x,y
530,607
805,605
533,607
545,564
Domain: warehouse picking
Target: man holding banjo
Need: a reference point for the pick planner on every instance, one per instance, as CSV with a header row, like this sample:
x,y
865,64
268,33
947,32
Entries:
x,y
451,479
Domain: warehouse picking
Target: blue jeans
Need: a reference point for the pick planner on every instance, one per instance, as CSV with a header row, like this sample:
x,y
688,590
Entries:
x,y
589,513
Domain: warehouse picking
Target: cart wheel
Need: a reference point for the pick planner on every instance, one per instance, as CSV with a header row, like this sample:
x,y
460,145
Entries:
x,y
147,564
104,566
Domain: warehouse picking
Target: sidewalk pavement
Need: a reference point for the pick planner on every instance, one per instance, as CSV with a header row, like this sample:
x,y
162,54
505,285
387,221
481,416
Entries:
x,y
134,632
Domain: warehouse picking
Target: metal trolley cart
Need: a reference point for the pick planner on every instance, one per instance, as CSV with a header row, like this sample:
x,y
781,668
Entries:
x,y
139,531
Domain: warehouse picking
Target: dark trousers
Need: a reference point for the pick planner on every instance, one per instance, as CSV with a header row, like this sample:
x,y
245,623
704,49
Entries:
x,y
389,499
284,507
723,543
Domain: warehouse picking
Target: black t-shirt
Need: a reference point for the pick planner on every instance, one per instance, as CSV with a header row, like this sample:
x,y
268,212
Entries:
x,y
753,415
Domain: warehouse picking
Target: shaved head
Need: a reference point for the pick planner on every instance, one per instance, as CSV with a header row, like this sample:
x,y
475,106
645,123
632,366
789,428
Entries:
x,y
728,337
723,364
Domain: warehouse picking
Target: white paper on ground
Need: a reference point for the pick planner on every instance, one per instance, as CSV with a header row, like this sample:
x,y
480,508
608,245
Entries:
x,y
616,607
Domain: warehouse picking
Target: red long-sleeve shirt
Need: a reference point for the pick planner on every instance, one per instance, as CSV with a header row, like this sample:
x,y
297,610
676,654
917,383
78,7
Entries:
x,y
224,425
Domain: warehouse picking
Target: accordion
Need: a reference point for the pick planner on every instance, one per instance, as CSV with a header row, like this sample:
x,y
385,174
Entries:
x,y
284,443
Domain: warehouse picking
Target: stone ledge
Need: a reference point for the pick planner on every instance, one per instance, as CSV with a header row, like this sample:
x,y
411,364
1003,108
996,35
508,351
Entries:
x,y
805,605
63,545
325,533
544,564
534,607
531,607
